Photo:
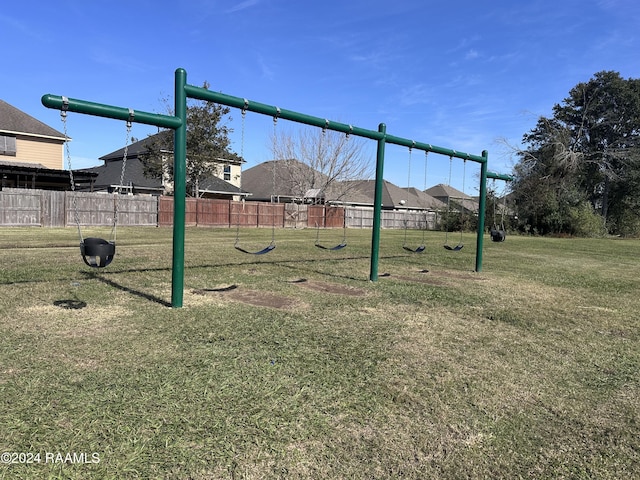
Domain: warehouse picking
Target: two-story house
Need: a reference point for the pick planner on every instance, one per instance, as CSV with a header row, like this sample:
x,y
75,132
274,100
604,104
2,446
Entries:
x,y
31,153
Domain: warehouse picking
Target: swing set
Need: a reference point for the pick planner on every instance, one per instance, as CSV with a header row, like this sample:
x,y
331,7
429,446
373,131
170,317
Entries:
x,y
103,251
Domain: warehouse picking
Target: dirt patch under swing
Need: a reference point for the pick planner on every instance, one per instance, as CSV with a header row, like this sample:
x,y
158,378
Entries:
x,y
250,297
332,288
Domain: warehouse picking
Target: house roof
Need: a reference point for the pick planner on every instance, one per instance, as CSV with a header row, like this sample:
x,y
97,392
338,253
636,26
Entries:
x,y
109,175
135,149
363,192
446,191
292,179
13,120
418,199
218,185
33,165
140,147
39,173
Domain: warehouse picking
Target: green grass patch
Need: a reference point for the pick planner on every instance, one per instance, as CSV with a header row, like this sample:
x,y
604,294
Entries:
x,y
294,365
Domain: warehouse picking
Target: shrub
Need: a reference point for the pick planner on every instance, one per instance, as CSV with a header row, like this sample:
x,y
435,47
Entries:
x,y
585,222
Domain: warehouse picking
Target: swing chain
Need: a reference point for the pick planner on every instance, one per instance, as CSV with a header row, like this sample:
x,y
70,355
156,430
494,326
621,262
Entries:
x,y
122,171
245,107
426,160
495,198
74,200
244,118
242,198
63,116
273,169
126,148
463,202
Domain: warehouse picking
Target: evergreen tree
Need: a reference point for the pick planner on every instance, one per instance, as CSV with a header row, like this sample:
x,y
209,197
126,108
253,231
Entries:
x,y
208,146
584,159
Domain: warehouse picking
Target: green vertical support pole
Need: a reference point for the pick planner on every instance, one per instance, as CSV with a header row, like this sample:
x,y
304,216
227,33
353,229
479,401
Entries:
x,y
481,209
179,190
377,205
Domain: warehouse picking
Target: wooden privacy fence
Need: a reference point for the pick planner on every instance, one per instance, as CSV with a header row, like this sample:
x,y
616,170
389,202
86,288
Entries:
x,y
165,212
47,208
359,217
295,215
325,216
18,209
413,219
205,212
99,209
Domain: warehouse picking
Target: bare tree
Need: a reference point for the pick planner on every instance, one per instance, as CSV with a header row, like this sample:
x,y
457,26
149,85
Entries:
x,y
320,161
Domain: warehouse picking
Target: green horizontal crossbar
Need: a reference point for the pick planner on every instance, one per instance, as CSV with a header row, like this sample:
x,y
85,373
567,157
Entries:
x,y
109,111
500,176
200,93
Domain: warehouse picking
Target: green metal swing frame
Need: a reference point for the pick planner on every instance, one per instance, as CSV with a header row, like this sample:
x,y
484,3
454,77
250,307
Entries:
x,y
178,123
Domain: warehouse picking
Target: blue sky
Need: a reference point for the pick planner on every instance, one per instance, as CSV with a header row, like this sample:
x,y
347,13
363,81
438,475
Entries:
x,y
462,75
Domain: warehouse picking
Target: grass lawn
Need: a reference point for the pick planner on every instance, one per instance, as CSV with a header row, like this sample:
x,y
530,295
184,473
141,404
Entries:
x,y
294,365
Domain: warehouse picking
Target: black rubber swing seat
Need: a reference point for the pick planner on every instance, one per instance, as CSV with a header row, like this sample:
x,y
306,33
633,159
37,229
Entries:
x,y
266,249
340,246
420,249
454,249
97,252
498,235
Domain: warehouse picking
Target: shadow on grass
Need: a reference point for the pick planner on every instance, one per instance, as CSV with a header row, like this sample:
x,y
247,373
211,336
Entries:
x,y
292,264
70,304
137,293
288,263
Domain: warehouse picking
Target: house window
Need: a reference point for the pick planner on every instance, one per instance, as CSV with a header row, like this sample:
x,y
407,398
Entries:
x,y
7,145
227,173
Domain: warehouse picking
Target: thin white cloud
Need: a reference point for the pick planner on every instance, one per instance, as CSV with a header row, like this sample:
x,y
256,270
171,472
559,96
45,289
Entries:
x,y
374,58
418,94
464,43
265,70
19,26
106,57
617,5
242,6
471,55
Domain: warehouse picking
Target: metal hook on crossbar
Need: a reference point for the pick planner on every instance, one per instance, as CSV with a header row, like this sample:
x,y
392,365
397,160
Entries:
x,y
132,114
326,125
65,107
